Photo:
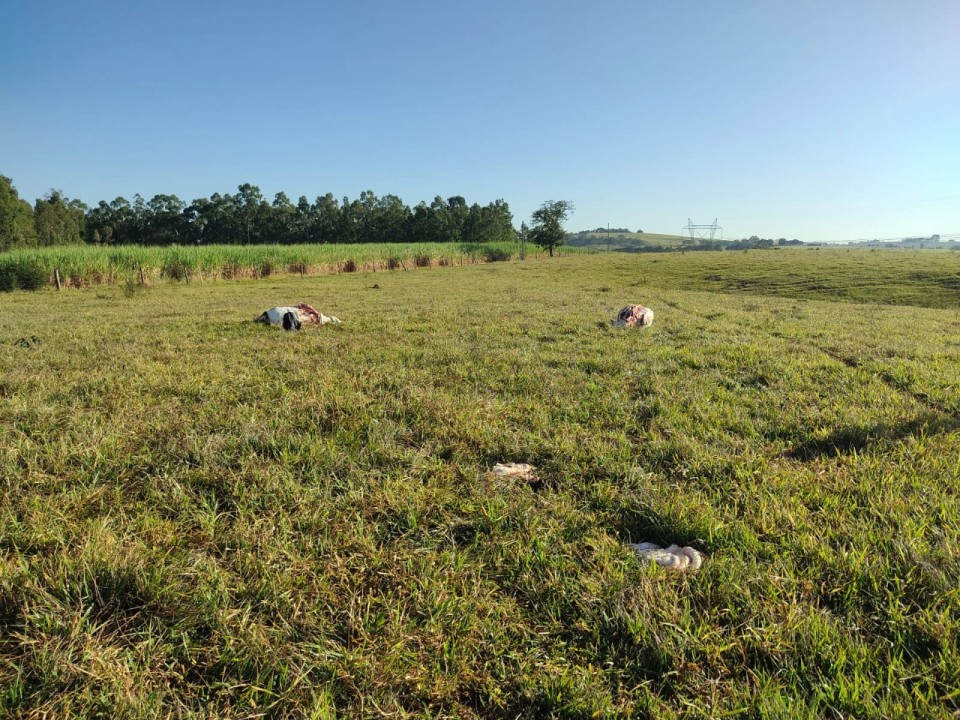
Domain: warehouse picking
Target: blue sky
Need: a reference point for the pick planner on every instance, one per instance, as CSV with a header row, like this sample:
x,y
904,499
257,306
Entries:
x,y
817,120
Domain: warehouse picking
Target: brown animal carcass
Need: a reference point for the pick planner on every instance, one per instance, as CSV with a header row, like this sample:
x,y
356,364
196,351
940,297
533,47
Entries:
x,y
634,316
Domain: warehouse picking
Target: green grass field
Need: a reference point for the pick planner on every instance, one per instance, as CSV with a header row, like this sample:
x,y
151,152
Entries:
x,y
205,517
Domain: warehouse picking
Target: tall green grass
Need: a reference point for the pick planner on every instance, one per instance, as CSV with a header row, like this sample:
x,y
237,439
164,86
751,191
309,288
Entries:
x,y
93,265
201,516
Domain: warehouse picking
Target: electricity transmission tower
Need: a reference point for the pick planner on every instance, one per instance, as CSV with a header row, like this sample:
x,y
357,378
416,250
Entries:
x,y
701,231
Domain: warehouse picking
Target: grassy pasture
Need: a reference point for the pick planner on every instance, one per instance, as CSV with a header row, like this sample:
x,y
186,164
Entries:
x,y
205,517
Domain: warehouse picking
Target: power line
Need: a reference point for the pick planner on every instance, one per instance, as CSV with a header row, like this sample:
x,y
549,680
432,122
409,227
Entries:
x,y
699,232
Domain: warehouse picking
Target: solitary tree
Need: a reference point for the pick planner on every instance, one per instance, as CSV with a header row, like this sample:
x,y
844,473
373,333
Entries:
x,y
547,230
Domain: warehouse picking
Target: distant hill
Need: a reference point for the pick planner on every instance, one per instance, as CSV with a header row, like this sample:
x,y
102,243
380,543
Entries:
x,y
918,243
628,241
654,242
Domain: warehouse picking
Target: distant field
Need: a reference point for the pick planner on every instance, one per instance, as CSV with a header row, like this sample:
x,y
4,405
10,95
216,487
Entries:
x,y
927,278
205,517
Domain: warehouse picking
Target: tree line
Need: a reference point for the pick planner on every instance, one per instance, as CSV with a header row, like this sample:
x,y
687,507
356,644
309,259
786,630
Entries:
x,y
246,217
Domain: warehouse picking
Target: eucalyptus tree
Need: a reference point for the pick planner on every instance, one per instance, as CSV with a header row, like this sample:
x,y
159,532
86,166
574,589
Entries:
x,y
165,222
281,223
215,220
420,219
250,205
302,219
327,219
124,221
457,212
490,223
349,221
59,220
365,217
16,218
438,222
391,220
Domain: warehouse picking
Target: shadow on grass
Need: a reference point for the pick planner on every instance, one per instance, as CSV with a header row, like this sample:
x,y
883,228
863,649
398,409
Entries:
x,y
634,524
848,440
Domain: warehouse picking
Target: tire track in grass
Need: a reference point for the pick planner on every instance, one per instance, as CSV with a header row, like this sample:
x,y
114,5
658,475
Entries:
x,y
854,363
938,416
892,382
